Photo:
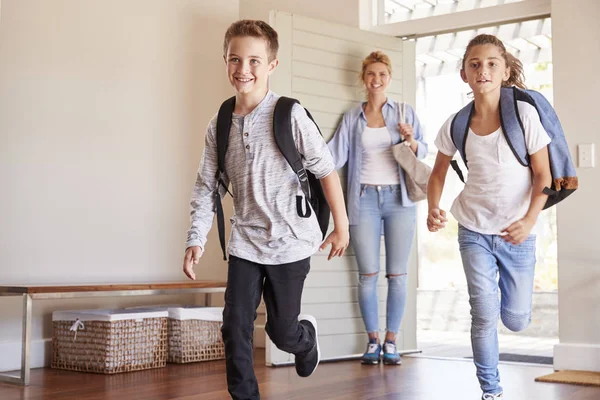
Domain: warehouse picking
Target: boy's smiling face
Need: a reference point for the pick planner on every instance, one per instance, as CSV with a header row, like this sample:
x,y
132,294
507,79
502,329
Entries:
x,y
248,65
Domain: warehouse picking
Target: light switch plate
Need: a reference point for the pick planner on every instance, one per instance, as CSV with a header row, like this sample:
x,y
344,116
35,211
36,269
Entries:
x,y
586,156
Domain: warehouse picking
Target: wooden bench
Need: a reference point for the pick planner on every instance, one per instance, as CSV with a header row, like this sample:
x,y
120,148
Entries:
x,y
30,293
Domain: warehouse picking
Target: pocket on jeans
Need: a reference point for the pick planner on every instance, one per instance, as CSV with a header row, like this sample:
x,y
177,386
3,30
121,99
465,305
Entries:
x,y
528,246
466,235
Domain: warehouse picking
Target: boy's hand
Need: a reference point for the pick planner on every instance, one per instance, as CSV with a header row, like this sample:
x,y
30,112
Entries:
x,y
339,240
517,232
192,256
436,219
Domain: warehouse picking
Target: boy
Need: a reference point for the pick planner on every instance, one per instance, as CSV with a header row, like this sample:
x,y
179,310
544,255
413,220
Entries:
x,y
270,244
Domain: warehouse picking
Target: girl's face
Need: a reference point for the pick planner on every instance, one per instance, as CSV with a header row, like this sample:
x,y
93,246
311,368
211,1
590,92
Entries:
x,y
376,78
484,69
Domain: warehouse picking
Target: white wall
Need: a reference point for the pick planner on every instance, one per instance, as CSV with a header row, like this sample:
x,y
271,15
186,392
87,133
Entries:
x,y
344,12
103,107
576,53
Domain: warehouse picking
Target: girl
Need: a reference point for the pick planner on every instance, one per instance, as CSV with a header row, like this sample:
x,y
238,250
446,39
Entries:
x,y
498,207
376,193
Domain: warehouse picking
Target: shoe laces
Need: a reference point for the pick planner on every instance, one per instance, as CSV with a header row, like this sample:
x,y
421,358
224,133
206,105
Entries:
x,y
390,348
372,348
491,396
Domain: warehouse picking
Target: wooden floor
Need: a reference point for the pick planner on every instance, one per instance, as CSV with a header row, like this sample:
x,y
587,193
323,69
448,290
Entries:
x,y
416,379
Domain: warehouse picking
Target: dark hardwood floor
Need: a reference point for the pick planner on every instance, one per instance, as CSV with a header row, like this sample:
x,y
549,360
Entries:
x,y
416,379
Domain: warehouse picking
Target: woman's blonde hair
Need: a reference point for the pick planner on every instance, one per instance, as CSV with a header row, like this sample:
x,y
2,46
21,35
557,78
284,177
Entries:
x,y
375,57
516,78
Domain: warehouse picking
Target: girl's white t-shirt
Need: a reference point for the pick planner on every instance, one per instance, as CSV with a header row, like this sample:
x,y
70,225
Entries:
x,y
497,192
378,166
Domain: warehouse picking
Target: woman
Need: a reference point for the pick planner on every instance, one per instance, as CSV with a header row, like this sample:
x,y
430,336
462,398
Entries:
x,y
377,193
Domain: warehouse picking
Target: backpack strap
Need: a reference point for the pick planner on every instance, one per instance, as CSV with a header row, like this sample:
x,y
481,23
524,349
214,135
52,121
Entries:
x,y
223,129
282,129
456,168
459,129
511,123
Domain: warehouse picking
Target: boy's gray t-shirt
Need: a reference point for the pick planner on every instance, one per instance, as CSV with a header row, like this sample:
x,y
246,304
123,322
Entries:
x,y
266,228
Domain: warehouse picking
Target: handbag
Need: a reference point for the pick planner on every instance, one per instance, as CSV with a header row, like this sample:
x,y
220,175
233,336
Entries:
x,y
416,172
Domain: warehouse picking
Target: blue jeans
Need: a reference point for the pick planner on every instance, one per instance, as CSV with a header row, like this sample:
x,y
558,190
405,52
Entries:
x,y
377,204
491,264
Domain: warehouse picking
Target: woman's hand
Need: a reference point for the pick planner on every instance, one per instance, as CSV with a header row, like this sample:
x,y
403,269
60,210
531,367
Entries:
x,y
406,130
407,133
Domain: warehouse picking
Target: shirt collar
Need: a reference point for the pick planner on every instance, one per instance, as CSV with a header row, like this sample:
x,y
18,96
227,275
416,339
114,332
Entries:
x,y
388,102
263,103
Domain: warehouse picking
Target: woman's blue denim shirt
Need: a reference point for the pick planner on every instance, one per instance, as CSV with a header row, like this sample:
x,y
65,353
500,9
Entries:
x,y
346,147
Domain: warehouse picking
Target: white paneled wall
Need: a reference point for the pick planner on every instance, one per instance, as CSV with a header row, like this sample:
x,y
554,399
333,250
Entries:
x,y
319,64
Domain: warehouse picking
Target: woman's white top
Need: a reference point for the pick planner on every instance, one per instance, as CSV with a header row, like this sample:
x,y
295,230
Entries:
x,y
378,166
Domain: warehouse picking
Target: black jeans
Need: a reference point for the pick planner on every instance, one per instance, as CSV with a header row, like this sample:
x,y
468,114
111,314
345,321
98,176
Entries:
x,y
282,286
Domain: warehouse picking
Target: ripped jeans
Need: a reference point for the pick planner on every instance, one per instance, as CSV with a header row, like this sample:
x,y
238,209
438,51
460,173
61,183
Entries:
x,y
492,265
382,204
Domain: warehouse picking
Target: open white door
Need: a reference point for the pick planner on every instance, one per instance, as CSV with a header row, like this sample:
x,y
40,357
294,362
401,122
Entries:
x,y
319,64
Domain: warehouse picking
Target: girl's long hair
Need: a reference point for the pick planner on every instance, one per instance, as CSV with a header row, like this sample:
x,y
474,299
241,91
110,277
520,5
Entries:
x,y
516,78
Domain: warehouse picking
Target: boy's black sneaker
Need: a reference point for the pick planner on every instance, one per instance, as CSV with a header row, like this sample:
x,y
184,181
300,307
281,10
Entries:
x,y
307,364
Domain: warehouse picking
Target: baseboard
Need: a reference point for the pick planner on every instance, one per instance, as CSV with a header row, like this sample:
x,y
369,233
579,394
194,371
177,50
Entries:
x,y
40,352
577,356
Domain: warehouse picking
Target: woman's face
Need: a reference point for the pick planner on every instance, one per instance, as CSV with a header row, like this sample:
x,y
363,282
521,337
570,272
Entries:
x,y
377,78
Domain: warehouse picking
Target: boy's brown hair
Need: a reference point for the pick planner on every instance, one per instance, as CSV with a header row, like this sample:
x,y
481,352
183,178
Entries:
x,y
253,28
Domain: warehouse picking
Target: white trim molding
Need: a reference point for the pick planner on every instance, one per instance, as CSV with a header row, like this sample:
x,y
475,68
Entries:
x,y
577,356
471,19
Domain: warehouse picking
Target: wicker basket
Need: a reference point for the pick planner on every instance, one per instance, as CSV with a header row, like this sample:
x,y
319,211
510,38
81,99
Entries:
x,y
109,341
195,334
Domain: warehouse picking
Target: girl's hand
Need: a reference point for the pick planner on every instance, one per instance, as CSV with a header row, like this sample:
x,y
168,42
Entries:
x,y
517,232
407,133
436,219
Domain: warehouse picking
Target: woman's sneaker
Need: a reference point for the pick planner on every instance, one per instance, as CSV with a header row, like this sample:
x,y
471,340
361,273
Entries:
x,y
390,354
373,353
